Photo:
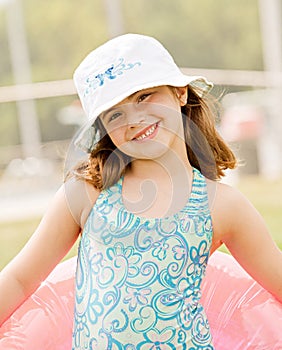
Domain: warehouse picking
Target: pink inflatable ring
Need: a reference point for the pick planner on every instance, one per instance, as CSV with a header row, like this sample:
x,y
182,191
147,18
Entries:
x,y
242,315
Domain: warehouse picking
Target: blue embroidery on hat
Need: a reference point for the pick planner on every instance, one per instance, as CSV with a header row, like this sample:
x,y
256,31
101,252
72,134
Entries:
x,y
93,82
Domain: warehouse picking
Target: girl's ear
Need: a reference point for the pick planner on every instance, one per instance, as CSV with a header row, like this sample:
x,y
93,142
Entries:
x,y
182,95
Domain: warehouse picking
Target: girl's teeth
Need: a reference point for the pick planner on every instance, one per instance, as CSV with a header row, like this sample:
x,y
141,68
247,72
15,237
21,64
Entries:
x,y
147,133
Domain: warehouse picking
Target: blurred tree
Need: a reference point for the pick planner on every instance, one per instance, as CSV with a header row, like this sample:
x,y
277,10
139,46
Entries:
x,y
61,33
9,131
5,66
210,34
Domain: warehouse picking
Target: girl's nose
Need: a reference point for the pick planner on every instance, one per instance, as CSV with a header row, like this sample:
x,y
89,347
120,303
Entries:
x,y
135,116
135,121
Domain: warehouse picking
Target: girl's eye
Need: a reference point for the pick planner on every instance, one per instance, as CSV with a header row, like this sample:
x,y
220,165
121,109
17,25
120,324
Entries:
x,y
143,97
114,116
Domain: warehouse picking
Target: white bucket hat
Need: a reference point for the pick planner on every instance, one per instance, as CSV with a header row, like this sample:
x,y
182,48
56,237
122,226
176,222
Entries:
x,y
119,68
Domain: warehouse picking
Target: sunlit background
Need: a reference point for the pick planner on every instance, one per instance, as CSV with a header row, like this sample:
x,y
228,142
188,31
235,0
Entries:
x,y
235,44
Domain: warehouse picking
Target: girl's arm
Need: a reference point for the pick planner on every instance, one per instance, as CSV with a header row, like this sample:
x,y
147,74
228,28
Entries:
x,y
238,224
55,235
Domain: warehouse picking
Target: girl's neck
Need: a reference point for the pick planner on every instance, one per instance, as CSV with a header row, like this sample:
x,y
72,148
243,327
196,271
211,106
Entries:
x,y
171,164
154,189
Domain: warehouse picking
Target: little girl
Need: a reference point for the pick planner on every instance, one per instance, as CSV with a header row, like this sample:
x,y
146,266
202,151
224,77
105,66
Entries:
x,y
147,206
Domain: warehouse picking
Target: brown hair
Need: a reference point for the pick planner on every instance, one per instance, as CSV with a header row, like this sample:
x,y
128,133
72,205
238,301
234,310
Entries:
x,y
206,150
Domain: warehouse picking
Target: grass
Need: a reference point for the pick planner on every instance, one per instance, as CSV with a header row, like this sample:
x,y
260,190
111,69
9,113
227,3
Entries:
x,y
267,198
265,195
14,235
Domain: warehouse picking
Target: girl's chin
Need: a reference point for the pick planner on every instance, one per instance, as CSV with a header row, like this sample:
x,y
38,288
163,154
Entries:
x,y
146,151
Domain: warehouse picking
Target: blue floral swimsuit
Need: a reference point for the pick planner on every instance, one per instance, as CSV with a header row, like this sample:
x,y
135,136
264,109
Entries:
x,y
138,280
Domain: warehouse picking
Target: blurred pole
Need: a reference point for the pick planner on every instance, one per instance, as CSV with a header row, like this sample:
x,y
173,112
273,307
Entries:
x,y
28,121
270,145
271,31
114,17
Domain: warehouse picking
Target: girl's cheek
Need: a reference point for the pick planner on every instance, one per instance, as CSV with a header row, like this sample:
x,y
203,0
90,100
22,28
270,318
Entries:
x,y
113,128
117,125
117,134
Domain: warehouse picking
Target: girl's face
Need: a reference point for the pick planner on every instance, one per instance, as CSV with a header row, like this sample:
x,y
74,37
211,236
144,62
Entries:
x,y
148,122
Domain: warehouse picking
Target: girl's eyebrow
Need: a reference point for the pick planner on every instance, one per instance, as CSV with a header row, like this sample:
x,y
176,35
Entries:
x,y
104,114
108,111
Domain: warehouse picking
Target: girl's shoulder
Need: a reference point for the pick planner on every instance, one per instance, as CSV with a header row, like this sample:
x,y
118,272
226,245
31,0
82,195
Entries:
x,y
81,197
221,194
228,196
228,208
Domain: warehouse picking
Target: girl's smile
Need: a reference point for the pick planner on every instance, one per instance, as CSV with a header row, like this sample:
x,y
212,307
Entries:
x,y
149,133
